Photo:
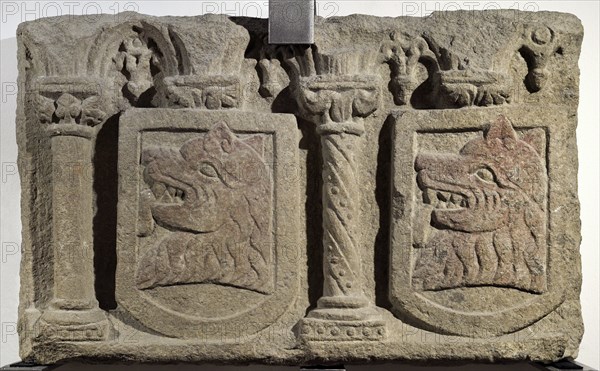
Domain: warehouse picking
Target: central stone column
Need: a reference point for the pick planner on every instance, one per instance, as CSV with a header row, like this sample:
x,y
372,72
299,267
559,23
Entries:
x,y
338,104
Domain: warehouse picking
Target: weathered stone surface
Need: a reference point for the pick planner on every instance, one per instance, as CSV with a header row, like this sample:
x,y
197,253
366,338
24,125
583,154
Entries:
x,y
403,189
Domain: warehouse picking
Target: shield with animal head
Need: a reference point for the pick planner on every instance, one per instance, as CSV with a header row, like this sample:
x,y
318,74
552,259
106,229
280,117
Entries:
x,y
200,251
473,252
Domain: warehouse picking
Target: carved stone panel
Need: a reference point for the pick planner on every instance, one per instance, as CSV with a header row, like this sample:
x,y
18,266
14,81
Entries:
x,y
202,249
401,189
478,234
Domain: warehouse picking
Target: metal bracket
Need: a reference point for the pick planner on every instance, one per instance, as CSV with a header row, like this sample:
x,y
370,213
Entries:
x,y
291,21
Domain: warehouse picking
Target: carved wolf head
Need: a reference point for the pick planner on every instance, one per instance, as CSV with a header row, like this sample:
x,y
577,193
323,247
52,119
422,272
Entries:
x,y
214,193
495,184
491,176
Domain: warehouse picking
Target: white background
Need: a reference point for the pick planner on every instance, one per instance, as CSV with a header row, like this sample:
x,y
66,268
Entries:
x,y
14,12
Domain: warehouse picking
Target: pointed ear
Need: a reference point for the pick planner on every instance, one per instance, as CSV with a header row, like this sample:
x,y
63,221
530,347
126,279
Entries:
x,y
221,130
257,142
223,135
501,129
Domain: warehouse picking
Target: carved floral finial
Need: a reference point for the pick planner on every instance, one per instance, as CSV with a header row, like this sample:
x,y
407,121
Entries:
x,y
403,53
134,60
539,44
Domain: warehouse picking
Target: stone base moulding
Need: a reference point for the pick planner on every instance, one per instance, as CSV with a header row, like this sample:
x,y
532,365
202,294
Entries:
x,y
401,190
314,329
565,364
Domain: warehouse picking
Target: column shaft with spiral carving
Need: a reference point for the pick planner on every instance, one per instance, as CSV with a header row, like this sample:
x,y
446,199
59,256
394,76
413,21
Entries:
x,y
338,104
341,205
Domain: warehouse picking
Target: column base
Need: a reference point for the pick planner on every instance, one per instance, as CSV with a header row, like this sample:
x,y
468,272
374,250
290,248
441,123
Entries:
x,y
74,325
349,323
315,329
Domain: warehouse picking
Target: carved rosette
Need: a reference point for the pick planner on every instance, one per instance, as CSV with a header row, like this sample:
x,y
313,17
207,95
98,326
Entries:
x,y
70,108
338,104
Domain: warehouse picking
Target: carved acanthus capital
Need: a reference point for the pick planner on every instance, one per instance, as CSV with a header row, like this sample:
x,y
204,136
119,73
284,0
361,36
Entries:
x,y
471,87
209,92
70,102
339,103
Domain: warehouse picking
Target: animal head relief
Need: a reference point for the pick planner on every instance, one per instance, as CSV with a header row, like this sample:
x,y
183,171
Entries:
x,y
214,196
489,214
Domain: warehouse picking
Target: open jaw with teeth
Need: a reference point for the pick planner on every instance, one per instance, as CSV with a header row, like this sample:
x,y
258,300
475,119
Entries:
x,y
445,199
167,194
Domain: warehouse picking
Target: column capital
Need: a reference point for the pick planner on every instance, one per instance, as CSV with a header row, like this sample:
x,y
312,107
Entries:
x,y
211,92
70,101
72,130
338,103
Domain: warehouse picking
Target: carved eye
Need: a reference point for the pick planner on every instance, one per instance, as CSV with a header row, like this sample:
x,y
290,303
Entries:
x,y
226,145
485,174
208,170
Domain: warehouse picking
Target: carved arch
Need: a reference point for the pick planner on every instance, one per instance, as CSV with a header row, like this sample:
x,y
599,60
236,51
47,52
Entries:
x,y
100,58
